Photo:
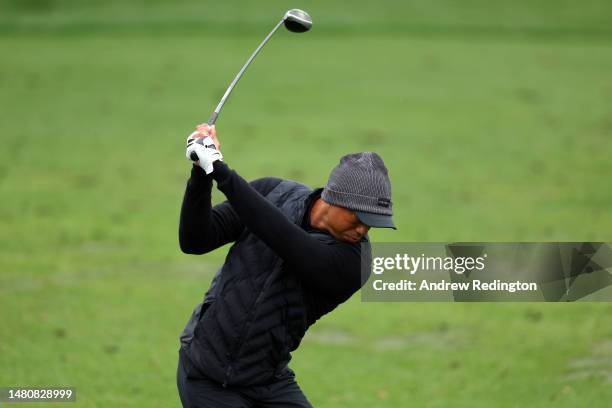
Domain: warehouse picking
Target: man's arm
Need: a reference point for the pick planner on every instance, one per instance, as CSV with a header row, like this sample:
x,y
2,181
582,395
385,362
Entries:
x,y
203,228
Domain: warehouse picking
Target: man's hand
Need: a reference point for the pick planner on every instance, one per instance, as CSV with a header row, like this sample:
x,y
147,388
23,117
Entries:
x,y
205,129
205,144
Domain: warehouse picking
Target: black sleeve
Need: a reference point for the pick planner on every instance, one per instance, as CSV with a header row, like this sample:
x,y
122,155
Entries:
x,y
330,267
203,228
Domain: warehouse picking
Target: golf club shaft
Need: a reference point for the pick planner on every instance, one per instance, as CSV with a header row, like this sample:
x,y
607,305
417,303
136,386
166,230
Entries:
x,y
215,114
213,117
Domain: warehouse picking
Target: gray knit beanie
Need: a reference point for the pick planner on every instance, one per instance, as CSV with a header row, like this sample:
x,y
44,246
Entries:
x,y
360,182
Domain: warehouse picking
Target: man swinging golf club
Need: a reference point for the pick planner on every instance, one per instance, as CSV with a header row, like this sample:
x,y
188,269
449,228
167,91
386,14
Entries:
x,y
296,255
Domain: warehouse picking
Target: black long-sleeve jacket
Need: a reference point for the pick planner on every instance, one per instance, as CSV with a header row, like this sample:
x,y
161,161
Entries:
x,y
279,277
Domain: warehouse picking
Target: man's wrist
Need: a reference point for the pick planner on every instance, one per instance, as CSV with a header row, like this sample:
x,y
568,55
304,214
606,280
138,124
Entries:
x,y
221,171
199,176
198,173
199,181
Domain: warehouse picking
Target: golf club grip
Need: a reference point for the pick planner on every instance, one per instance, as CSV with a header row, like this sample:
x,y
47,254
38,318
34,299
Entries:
x,y
213,118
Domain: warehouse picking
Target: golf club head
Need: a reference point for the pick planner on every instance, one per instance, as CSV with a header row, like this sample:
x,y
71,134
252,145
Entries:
x,y
297,21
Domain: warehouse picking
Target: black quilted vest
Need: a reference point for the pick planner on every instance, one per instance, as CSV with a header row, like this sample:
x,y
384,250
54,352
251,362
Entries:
x,y
245,335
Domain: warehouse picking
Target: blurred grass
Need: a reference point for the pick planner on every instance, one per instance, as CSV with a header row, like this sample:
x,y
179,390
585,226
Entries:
x,y
494,121
555,16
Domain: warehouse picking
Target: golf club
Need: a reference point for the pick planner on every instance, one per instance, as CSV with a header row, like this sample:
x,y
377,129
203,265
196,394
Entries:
x,y
297,21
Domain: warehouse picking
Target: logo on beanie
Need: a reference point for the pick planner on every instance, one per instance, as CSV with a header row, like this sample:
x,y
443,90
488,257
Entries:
x,y
384,202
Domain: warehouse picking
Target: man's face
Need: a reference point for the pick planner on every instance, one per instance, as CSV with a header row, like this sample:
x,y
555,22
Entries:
x,y
344,224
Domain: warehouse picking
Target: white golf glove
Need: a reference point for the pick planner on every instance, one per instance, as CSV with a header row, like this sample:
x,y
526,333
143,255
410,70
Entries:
x,y
205,149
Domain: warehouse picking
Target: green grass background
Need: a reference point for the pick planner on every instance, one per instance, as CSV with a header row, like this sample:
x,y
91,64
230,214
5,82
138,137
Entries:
x,y
494,118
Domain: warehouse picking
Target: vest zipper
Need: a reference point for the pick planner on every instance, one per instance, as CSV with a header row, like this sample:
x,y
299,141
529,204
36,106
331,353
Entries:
x,y
228,372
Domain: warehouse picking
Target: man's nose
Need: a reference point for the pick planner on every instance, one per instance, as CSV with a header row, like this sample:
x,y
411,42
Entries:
x,y
362,229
